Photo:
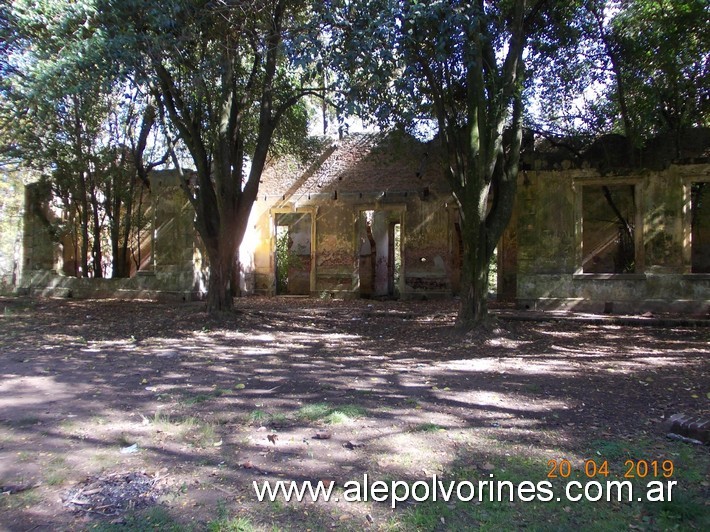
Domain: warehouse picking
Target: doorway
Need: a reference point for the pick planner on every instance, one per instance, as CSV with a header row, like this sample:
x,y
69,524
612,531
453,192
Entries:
x,y
292,253
380,253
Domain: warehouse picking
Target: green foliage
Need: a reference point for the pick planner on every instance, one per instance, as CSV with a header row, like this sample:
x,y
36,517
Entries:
x,y
11,211
66,111
639,68
231,96
286,259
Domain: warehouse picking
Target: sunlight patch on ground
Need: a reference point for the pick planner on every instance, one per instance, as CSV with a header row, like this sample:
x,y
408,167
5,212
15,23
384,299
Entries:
x,y
486,401
33,391
478,364
414,453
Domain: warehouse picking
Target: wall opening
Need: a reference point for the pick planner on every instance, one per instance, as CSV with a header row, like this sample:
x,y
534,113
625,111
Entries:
x,y
456,257
395,258
609,229
380,253
292,254
700,227
493,275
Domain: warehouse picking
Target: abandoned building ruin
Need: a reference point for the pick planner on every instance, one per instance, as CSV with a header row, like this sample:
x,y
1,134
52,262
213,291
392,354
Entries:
x,y
372,215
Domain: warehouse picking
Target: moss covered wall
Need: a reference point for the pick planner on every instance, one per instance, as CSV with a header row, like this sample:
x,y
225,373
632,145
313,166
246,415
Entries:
x,y
550,235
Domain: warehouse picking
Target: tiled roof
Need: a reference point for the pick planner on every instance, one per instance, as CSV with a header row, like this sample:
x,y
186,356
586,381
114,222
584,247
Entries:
x,y
364,163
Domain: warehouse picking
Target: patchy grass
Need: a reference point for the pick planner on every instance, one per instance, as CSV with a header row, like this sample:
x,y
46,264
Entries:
x,y
236,524
345,414
687,510
428,427
313,412
332,415
23,500
197,399
150,520
312,393
258,417
56,471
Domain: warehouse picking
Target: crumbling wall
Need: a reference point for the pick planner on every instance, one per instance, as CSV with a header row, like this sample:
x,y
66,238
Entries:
x,y
335,255
177,268
546,222
427,253
550,230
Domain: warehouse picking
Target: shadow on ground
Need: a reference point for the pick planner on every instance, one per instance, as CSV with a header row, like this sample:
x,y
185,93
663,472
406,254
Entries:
x,y
331,391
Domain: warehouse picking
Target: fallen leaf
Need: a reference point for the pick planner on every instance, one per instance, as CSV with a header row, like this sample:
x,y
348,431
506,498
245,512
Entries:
x,y
272,438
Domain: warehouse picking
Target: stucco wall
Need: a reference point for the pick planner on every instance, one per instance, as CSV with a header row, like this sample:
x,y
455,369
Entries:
x,y
549,245
177,269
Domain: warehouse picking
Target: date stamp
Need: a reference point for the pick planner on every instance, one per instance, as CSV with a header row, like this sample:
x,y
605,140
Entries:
x,y
593,468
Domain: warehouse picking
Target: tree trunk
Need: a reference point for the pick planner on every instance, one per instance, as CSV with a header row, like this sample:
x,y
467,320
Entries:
x,y
96,250
474,275
84,222
122,210
235,280
219,289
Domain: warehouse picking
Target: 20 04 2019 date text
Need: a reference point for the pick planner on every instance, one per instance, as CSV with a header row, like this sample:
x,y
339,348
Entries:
x,y
600,468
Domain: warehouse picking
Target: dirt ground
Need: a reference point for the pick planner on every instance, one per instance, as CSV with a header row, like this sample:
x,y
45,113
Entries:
x,y
304,389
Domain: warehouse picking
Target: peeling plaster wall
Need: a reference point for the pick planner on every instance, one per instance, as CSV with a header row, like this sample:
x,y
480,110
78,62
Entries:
x,y
427,255
549,233
339,268
177,271
179,259
546,224
335,254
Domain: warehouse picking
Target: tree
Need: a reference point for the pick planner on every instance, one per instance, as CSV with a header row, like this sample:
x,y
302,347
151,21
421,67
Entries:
x,y
663,52
462,64
635,67
226,74
65,112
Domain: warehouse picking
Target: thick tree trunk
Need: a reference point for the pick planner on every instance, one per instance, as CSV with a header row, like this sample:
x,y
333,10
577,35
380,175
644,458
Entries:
x,y
219,289
474,275
222,253
219,293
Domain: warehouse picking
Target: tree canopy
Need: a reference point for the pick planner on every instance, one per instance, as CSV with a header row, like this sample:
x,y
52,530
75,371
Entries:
x,y
635,67
228,78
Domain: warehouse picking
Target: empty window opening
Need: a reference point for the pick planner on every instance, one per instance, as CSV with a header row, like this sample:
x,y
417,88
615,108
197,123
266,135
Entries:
x,y
493,274
293,254
395,258
700,227
456,257
608,229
